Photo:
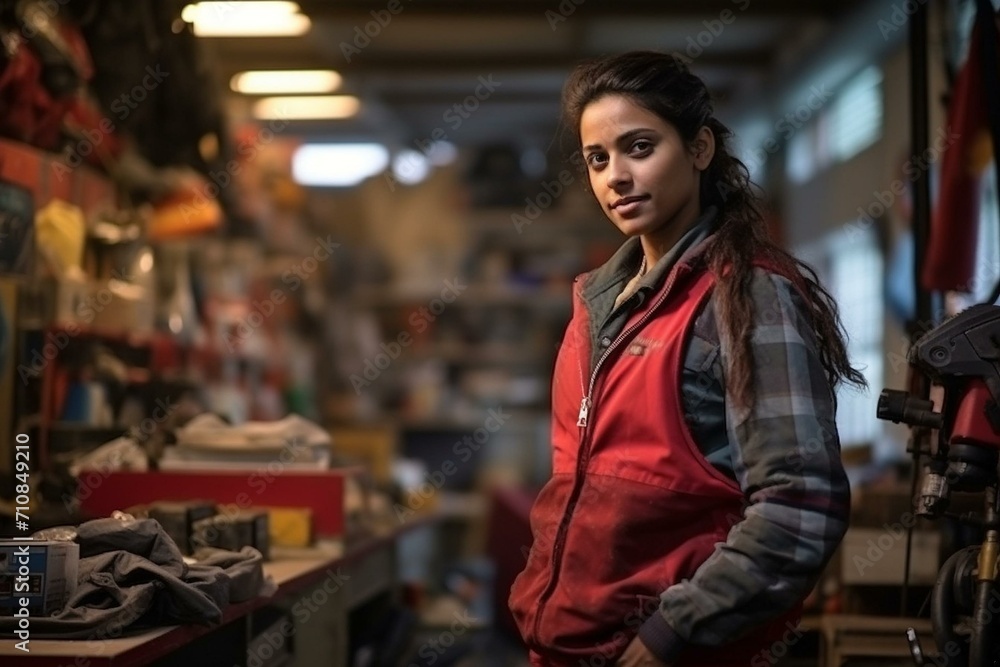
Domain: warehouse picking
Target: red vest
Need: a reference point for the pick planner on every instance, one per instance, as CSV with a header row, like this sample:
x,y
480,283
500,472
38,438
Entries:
x,y
632,507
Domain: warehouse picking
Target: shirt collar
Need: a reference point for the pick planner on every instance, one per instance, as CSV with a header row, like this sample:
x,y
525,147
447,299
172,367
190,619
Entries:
x,y
624,264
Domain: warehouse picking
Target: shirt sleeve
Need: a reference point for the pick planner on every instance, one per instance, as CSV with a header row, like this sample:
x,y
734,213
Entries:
x,y
786,458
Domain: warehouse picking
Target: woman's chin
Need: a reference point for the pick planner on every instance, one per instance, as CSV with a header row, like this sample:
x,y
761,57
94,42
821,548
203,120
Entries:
x,y
632,228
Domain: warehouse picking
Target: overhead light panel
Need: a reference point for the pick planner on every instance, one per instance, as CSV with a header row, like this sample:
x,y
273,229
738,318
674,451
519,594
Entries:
x,y
273,82
307,107
264,18
442,153
338,165
410,167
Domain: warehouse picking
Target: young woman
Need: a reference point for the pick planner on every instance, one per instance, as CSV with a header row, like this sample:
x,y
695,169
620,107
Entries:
x,y
697,489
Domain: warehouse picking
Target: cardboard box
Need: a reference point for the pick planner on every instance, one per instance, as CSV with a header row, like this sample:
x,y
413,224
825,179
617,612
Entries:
x,y
290,526
233,532
374,446
42,573
178,520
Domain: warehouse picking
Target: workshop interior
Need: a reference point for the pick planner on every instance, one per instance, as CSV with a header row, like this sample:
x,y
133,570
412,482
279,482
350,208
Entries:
x,y
282,286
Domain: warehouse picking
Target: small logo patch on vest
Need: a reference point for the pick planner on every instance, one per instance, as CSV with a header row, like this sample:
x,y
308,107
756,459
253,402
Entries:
x,y
641,345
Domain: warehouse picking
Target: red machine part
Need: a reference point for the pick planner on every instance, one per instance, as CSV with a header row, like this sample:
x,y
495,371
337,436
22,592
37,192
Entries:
x,y
971,426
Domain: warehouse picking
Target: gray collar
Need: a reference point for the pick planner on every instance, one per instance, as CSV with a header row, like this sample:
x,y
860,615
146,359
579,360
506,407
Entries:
x,y
625,262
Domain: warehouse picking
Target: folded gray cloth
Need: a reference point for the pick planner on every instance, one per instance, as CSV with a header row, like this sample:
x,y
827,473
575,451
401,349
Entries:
x,y
243,571
132,576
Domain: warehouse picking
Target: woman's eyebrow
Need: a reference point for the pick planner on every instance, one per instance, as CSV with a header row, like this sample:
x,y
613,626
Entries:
x,y
627,136
623,138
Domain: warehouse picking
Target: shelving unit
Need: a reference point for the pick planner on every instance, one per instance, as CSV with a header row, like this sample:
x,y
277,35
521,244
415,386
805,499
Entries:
x,y
56,336
155,360
491,344
44,177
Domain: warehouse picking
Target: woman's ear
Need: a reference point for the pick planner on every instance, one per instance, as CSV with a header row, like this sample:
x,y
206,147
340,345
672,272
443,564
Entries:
x,y
703,148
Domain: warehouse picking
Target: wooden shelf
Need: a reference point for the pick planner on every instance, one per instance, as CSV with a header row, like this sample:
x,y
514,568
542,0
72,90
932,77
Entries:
x,y
459,505
472,354
134,338
48,176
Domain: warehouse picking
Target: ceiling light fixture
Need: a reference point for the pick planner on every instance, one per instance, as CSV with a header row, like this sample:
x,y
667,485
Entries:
x,y
263,18
410,167
442,153
338,165
307,107
273,82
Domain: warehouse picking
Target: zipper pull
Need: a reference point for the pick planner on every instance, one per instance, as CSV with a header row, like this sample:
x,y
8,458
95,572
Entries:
x,y
581,420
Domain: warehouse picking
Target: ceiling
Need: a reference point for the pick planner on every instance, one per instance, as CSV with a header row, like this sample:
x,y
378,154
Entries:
x,y
432,54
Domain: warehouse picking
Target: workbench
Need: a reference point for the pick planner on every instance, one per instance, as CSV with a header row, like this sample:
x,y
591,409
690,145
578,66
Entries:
x,y
847,637
317,589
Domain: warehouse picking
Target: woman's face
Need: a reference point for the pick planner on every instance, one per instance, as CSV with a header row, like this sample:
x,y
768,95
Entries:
x,y
642,174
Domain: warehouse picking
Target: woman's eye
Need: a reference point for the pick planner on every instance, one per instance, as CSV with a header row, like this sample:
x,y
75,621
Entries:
x,y
642,145
595,159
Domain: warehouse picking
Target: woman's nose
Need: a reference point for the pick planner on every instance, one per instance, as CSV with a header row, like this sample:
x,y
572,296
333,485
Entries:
x,y
617,173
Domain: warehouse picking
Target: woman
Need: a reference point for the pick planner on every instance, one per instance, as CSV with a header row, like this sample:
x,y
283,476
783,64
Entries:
x,y
697,489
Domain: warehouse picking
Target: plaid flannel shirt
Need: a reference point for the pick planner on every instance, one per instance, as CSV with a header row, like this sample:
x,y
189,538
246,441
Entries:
x,y
784,453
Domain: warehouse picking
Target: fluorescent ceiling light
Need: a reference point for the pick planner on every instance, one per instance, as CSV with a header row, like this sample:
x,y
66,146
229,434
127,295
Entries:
x,y
442,153
266,18
317,107
286,81
410,167
338,165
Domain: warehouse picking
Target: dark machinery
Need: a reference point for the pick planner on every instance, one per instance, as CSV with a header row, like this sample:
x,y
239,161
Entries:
x,y
962,355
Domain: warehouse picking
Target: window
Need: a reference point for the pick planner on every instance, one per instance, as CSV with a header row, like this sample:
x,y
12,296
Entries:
x,y
849,124
802,163
856,283
856,115
988,244
850,265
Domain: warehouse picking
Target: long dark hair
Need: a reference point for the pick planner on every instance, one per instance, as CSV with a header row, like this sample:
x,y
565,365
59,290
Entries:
x,y
664,85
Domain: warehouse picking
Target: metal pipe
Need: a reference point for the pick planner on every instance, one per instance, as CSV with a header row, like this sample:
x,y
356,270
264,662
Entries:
x,y
982,642
919,123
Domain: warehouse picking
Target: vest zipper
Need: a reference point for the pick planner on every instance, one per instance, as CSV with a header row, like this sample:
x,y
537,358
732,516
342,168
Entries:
x,y
587,402
583,422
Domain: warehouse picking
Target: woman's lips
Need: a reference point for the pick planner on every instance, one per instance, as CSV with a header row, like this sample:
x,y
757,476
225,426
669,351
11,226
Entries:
x,y
628,205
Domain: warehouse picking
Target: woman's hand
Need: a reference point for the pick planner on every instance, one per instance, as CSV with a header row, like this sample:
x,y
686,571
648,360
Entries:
x,y
637,655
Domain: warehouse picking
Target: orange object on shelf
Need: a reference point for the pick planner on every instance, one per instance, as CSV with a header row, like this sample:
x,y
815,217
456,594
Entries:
x,y
188,212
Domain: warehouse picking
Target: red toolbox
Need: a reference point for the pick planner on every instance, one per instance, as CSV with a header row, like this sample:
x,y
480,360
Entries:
x,y
101,493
